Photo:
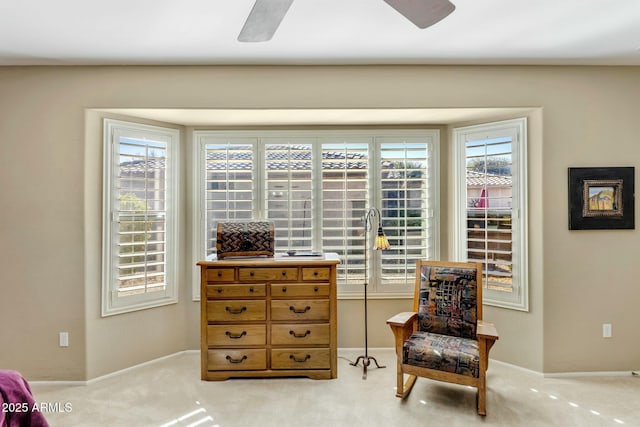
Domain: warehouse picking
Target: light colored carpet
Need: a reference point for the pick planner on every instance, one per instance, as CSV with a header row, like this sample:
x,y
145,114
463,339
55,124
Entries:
x,y
170,393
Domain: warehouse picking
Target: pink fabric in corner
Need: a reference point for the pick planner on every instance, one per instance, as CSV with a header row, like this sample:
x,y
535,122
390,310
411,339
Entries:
x,y
18,402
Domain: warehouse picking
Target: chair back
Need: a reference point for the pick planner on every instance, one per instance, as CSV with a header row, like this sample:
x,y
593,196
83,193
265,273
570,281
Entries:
x,y
448,297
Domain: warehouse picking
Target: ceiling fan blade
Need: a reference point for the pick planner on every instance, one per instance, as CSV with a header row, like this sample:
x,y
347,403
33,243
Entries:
x,y
264,19
423,13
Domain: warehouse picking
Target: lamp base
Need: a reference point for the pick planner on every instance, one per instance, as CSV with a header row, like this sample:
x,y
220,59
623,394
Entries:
x,y
366,361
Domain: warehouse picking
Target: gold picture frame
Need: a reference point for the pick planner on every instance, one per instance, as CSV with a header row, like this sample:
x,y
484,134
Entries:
x,y
602,198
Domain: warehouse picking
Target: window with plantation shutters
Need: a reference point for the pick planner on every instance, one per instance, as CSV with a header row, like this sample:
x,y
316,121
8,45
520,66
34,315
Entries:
x,y
288,192
315,186
491,177
140,224
229,181
346,194
407,189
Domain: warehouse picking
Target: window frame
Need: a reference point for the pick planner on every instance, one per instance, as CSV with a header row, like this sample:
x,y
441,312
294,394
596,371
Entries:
x,y
431,136
112,304
517,129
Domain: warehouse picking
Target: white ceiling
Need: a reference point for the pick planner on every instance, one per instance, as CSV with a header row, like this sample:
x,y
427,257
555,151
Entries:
x,y
85,32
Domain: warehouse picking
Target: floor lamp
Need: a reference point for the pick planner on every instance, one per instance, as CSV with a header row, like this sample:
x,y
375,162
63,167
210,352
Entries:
x,y
380,243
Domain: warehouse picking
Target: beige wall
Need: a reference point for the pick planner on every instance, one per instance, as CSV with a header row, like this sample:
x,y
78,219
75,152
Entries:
x,y
50,170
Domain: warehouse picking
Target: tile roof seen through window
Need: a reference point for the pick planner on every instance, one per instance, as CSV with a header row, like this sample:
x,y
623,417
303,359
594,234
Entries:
x,y
475,178
299,158
278,157
287,157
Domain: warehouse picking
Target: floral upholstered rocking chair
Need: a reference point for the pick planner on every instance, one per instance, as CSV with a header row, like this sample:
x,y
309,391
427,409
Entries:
x,y
444,338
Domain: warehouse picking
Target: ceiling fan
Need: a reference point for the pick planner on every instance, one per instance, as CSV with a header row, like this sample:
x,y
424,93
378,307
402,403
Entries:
x,y
266,15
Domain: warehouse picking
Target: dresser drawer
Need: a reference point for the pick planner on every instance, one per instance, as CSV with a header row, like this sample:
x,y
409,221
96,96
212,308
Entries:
x,y
236,291
236,311
316,273
300,310
286,290
236,335
237,359
300,334
306,358
220,274
266,274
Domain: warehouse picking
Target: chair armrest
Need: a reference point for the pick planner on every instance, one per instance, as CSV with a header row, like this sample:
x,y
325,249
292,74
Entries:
x,y
402,319
487,335
487,331
402,325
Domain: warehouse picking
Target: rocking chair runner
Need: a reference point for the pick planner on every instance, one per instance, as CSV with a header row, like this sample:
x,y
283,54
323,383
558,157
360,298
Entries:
x,y
444,338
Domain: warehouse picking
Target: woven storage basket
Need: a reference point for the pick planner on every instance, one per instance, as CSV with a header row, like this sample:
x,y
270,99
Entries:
x,y
245,239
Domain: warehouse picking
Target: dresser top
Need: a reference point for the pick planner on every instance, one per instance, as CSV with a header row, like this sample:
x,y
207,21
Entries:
x,y
327,258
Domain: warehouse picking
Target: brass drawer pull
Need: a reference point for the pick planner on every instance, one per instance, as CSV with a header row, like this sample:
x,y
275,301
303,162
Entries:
x,y
232,360
235,311
300,335
293,357
298,311
235,336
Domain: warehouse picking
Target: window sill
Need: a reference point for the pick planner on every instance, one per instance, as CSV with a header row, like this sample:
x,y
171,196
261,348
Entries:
x,y
375,295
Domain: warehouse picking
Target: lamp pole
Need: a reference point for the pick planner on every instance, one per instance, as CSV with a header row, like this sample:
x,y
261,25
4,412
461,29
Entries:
x,y
382,244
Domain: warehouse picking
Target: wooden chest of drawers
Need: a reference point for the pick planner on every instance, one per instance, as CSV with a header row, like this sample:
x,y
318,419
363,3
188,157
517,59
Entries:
x,y
268,317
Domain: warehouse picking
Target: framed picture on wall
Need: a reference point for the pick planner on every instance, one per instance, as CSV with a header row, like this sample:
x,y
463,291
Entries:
x,y
601,198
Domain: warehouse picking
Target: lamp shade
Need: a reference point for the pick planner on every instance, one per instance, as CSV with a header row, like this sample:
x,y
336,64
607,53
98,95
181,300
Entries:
x,y
381,242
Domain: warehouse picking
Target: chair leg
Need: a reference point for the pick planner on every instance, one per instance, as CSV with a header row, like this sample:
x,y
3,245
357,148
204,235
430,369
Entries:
x,y
481,396
399,382
404,388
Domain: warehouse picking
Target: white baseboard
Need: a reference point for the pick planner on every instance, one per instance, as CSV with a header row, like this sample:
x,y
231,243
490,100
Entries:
x,y
588,374
111,374
55,383
567,374
519,368
130,368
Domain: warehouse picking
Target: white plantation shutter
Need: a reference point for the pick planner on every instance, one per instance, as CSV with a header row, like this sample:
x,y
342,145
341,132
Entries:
x,y
492,207
408,201
140,223
489,209
140,209
229,184
288,191
345,198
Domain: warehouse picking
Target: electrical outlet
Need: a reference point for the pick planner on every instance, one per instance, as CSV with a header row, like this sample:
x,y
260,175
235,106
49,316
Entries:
x,y
64,339
606,330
